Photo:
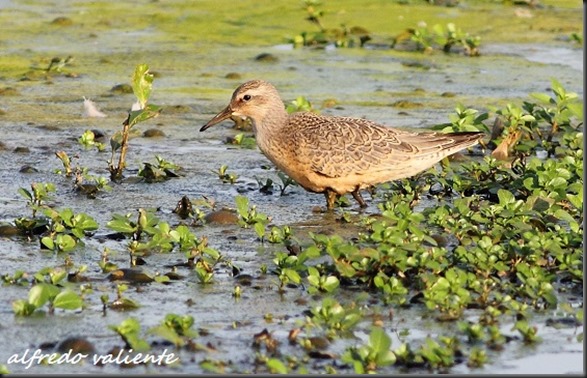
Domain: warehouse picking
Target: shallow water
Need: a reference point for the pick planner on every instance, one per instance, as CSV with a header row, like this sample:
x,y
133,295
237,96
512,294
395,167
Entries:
x,y
45,115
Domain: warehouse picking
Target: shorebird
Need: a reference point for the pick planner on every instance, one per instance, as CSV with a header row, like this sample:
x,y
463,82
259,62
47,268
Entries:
x,y
336,155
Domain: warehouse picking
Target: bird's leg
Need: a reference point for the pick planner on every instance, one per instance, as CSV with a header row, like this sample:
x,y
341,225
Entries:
x,y
330,198
357,196
372,191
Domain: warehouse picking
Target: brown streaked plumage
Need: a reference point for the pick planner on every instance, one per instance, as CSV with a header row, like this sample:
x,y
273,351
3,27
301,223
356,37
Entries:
x,y
336,155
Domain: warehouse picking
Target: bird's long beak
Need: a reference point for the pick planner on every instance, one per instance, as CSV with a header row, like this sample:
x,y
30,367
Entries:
x,y
224,114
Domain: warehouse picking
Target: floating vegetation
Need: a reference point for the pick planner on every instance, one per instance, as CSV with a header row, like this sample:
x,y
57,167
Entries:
x,y
448,39
342,36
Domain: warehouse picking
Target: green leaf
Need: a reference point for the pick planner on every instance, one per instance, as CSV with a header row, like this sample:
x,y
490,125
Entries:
x,y
313,276
137,116
292,275
276,367
213,253
168,334
563,215
242,205
25,193
65,242
543,97
162,279
260,229
121,225
41,293
331,283
557,182
142,82
68,300
48,242
23,308
137,343
576,109
386,358
86,222
505,197
379,340
57,276
345,269
557,87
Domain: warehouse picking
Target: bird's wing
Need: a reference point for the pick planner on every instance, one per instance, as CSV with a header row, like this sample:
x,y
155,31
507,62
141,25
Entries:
x,y
341,146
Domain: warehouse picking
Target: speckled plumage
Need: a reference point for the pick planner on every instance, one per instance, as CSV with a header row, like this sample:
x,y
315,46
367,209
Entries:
x,y
336,155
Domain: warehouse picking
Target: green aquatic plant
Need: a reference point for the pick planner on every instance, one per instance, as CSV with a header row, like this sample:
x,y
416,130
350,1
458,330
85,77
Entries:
x,y
342,36
176,329
336,319
248,215
438,355
130,332
448,294
204,272
51,289
41,294
300,104
275,366
321,282
477,357
149,233
557,110
225,176
83,181
464,120
58,63
142,82
19,277
121,302
279,234
38,195
88,140
534,126
265,187
286,181
392,287
529,333
373,355
243,141
444,38
288,268
577,38
161,171
66,229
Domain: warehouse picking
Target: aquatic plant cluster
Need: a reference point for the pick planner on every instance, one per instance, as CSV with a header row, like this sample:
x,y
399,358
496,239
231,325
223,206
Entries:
x,y
447,38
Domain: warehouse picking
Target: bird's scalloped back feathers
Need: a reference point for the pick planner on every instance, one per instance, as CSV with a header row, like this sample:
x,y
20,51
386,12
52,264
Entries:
x,y
339,146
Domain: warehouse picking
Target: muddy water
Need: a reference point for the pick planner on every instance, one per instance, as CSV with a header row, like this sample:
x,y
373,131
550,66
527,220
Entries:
x,y
43,114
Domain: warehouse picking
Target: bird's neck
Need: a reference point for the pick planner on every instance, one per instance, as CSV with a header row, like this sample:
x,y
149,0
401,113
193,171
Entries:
x,y
272,121
268,127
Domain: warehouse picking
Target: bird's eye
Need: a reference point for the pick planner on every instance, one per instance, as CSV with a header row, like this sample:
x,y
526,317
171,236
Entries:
x,y
246,97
